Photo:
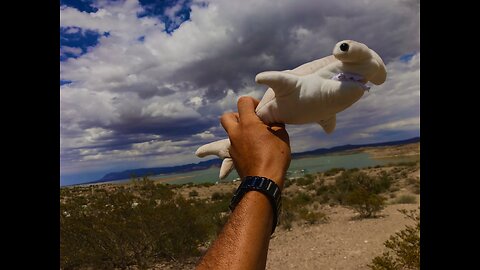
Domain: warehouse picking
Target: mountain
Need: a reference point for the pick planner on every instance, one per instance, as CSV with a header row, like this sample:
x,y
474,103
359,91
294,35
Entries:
x,y
160,170
217,162
346,147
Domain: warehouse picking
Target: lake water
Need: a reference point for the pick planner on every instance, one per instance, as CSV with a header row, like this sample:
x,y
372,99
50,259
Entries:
x,y
298,167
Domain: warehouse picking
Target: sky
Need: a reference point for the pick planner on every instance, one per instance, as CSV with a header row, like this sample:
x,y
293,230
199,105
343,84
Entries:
x,y
143,83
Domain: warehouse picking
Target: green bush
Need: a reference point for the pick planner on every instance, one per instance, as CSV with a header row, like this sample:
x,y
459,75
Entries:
x,y
296,209
208,184
333,171
361,192
404,199
365,203
138,225
304,181
287,216
407,163
403,248
288,182
302,199
217,196
321,190
311,217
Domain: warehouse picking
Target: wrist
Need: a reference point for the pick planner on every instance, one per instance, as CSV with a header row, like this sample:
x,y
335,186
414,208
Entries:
x,y
268,187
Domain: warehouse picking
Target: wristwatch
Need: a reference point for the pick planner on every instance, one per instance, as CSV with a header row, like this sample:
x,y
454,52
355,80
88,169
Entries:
x,y
263,185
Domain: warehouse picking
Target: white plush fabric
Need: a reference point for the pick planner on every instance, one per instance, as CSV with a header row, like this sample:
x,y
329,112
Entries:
x,y
313,92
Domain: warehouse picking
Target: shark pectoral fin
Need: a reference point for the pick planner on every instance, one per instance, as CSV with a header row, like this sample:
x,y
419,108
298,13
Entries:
x,y
226,168
282,83
329,124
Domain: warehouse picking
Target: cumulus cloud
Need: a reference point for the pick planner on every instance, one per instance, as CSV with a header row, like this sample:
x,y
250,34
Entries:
x,y
141,82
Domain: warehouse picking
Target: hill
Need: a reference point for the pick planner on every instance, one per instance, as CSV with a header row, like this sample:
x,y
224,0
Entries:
x,y
217,162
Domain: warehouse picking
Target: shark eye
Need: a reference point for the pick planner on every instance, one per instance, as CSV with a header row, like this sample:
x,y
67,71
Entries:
x,y
344,47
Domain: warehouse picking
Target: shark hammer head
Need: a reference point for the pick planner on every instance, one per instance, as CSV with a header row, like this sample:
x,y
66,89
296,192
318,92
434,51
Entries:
x,y
352,53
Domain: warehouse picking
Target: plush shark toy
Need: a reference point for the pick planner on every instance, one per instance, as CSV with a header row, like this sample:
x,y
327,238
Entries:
x,y
311,93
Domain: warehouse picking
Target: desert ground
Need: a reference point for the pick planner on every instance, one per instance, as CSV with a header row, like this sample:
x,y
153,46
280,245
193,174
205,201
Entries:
x,y
341,240
344,241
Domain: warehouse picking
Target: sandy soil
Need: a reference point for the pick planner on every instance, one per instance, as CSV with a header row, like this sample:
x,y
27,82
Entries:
x,y
342,243
412,149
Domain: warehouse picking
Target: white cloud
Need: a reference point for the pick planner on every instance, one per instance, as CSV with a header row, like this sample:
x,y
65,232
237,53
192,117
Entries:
x,y
172,88
409,123
205,135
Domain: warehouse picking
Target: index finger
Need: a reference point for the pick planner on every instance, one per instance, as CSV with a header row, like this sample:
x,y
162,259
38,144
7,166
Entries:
x,y
246,109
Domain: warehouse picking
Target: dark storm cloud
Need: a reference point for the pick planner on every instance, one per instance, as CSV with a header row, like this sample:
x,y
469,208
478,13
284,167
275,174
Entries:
x,y
124,92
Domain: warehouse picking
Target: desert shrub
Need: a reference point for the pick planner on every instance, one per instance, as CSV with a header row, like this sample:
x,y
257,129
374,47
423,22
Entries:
x,y
311,217
333,171
134,226
207,184
302,199
288,182
366,203
407,163
404,199
217,196
321,190
384,182
286,218
403,248
305,181
361,192
394,189
295,208
193,193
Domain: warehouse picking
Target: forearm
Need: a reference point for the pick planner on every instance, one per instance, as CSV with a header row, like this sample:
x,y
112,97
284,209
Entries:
x,y
243,242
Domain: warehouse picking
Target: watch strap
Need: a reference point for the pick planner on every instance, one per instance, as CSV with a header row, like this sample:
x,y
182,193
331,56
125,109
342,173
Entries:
x,y
264,185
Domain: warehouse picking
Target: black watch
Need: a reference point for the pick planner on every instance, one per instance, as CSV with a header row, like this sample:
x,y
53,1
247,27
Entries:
x,y
263,185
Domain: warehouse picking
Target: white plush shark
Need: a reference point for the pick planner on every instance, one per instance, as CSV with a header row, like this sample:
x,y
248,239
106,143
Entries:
x,y
311,93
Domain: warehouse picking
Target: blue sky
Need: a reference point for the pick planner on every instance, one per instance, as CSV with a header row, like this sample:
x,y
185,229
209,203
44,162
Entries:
x,y
143,83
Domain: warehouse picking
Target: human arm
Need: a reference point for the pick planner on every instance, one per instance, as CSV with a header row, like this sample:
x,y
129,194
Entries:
x,y
257,150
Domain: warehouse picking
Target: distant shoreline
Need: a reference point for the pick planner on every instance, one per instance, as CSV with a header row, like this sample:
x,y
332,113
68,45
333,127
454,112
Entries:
x,y
338,150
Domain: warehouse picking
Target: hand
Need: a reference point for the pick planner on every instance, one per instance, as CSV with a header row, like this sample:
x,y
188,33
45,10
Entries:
x,y
256,148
